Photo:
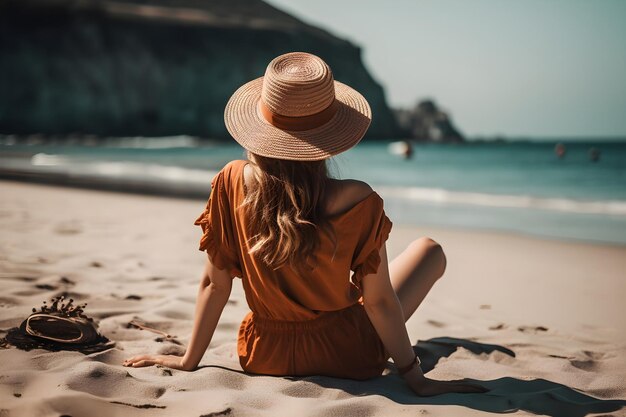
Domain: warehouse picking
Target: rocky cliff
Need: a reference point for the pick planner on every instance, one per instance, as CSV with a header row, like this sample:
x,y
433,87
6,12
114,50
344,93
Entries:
x,y
427,122
152,68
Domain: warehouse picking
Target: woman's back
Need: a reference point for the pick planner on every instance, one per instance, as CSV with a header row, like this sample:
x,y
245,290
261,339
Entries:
x,y
311,322
273,338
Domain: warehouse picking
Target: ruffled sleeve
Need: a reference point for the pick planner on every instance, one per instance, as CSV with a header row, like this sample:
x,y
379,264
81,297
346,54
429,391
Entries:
x,y
376,227
218,235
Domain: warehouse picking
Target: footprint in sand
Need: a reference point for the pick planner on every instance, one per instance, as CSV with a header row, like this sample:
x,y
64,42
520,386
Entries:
x,y
167,340
585,364
109,381
164,372
589,361
133,297
66,281
156,279
532,329
102,380
50,285
47,287
594,355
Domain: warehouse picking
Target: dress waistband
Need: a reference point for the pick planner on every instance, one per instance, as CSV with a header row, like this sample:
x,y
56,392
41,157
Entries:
x,y
323,320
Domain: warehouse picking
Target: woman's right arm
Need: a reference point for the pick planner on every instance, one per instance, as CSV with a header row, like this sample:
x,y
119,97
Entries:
x,y
384,311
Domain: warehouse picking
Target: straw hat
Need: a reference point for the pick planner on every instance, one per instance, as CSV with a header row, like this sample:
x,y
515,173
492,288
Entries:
x,y
297,111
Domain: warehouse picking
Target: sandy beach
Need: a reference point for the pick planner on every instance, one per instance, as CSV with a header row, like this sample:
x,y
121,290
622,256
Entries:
x,y
541,323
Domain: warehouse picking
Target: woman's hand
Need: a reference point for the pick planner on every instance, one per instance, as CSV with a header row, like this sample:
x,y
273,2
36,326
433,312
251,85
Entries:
x,y
426,387
171,361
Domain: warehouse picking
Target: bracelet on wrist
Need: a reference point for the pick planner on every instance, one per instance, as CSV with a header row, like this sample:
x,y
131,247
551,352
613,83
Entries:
x,y
405,369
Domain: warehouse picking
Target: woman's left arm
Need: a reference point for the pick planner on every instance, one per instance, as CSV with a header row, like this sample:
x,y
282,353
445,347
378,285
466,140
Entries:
x,y
213,294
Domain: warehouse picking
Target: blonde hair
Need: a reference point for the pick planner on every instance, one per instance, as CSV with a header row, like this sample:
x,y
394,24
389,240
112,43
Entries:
x,y
285,210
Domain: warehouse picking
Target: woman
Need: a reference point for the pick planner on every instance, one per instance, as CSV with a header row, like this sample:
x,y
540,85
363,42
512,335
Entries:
x,y
293,235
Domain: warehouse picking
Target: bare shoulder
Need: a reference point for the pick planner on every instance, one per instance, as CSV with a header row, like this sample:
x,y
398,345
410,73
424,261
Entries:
x,y
354,188
344,194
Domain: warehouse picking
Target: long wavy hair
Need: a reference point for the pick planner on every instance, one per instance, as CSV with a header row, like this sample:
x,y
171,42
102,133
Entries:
x,y
286,211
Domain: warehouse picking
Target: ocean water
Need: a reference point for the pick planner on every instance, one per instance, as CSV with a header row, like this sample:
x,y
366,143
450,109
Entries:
x,y
517,187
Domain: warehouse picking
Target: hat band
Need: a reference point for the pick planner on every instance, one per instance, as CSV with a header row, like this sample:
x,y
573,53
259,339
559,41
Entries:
x,y
309,122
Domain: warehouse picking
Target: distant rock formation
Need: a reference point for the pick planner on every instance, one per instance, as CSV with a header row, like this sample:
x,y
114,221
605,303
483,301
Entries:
x,y
426,122
152,68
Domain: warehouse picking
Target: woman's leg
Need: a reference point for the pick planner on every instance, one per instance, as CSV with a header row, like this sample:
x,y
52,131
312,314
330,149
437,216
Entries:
x,y
415,271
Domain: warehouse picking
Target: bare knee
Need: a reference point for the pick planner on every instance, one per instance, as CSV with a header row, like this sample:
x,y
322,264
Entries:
x,y
433,253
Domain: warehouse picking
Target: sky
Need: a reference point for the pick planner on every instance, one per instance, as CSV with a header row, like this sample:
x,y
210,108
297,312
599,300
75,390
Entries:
x,y
549,68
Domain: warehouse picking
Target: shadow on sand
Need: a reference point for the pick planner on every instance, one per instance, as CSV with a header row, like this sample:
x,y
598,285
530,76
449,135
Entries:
x,y
506,395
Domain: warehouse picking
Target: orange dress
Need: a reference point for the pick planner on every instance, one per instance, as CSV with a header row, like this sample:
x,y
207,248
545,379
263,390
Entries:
x,y
300,325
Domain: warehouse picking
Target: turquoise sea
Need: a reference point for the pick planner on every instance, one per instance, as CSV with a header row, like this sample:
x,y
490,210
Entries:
x,y
521,187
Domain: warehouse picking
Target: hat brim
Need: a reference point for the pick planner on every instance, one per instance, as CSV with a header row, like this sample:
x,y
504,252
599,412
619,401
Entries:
x,y
250,129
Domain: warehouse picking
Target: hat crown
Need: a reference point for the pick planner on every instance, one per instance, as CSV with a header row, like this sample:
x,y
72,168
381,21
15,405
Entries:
x,y
298,84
